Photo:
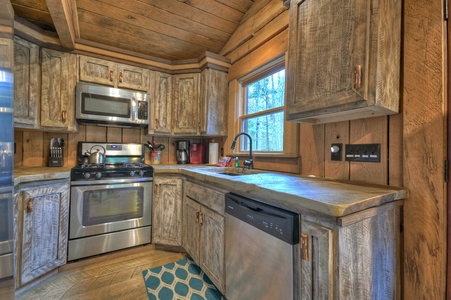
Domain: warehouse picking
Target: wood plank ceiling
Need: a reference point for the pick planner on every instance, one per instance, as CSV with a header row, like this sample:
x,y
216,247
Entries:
x,y
165,29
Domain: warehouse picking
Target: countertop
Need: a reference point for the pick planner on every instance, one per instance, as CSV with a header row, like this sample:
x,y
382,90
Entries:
x,y
298,193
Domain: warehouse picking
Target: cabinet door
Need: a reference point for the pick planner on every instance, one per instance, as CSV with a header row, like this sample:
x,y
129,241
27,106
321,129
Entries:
x,y
186,103
27,84
58,90
214,95
212,246
191,230
44,211
167,211
345,64
97,70
317,261
133,78
161,112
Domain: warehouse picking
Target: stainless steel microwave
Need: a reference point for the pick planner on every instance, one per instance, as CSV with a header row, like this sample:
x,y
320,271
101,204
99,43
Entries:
x,y
97,104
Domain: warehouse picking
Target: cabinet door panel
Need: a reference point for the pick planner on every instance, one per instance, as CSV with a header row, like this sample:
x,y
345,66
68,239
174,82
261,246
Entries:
x,y
27,84
186,103
58,90
191,230
45,226
134,78
212,241
317,269
161,121
97,70
167,211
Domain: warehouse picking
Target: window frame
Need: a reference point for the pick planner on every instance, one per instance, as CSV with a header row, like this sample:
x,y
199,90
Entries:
x,y
291,130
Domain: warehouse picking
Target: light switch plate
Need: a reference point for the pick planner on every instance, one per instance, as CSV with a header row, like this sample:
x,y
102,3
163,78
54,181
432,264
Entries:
x,y
336,152
363,152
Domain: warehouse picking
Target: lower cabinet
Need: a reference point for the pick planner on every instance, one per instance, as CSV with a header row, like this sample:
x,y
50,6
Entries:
x,y
167,211
42,215
353,257
203,230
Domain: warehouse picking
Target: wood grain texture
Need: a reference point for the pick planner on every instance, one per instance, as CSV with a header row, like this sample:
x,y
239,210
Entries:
x,y
424,143
161,88
27,84
191,232
186,103
336,133
167,211
311,150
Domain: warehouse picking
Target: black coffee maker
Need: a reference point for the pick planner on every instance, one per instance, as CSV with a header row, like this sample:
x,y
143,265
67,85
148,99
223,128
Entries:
x,y
182,148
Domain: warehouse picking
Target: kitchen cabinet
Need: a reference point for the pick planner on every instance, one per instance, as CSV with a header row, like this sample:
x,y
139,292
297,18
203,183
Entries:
x,y
343,60
117,75
59,79
161,84
41,213
203,230
360,258
214,87
185,108
27,84
167,211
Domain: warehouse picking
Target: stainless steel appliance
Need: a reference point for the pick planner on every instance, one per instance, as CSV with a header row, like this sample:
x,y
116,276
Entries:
x,y
110,203
182,148
111,106
260,243
6,184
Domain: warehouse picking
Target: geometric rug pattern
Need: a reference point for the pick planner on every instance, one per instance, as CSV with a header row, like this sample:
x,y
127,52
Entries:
x,y
179,280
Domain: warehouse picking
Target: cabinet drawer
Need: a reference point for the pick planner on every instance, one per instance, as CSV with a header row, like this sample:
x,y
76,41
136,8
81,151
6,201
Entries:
x,y
205,196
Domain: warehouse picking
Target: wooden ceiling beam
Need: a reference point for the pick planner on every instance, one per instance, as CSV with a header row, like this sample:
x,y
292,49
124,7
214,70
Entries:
x,y
65,19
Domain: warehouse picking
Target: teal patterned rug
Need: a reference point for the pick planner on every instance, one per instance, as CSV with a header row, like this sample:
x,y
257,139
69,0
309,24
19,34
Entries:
x,y
179,280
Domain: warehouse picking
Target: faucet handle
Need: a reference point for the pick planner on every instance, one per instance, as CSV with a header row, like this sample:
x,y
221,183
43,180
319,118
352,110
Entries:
x,y
249,163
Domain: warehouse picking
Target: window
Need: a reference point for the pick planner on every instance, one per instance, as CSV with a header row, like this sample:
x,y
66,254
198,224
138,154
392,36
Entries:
x,y
262,109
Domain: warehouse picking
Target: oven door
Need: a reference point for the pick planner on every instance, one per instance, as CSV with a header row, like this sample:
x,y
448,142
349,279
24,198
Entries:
x,y
109,207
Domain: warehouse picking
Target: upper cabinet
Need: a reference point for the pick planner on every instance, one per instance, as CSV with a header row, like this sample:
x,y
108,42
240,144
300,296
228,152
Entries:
x,y
161,109
113,74
59,78
186,103
27,84
343,60
214,88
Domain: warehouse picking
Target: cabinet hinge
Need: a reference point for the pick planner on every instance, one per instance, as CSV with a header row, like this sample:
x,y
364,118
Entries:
x,y
446,170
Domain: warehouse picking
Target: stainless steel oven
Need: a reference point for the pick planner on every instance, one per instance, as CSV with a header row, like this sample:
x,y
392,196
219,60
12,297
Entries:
x,y
111,203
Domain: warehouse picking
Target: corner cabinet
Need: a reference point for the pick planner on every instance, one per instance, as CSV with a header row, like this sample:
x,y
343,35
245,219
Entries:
x,y
42,216
353,257
59,79
27,84
167,211
203,230
113,74
343,60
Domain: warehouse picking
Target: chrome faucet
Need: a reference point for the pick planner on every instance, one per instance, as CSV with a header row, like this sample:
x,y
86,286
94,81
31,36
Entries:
x,y
249,162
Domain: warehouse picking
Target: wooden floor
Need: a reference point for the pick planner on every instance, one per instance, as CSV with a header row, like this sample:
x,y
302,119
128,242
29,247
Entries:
x,y
109,276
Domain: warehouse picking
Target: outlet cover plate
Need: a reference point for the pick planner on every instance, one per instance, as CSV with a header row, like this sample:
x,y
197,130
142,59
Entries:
x,y
363,152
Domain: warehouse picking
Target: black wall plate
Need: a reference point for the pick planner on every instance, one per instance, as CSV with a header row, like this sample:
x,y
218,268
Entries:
x,y
363,152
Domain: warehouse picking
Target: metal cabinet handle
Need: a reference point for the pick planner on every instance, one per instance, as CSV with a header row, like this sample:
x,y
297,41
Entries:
x,y
111,75
304,246
201,218
64,116
157,123
120,77
358,77
197,216
29,205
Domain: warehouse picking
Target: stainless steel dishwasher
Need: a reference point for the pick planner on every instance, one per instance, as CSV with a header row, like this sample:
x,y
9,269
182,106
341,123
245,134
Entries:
x,y
260,241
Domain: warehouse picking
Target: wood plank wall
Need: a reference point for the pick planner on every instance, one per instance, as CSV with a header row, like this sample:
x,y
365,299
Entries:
x,y
413,141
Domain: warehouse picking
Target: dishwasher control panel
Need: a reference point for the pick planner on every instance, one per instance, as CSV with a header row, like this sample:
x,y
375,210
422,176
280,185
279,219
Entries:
x,y
275,221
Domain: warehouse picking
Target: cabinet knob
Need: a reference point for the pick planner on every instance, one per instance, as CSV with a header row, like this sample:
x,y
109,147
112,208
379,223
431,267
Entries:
x,y
111,75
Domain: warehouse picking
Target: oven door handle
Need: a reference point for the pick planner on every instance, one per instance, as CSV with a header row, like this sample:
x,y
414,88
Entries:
x,y
111,181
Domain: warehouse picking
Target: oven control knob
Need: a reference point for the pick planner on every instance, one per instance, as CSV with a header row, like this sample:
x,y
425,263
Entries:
x,y
86,175
141,173
132,173
98,175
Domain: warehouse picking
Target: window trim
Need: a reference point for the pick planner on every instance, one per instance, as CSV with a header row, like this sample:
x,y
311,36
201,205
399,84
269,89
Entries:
x,y
238,90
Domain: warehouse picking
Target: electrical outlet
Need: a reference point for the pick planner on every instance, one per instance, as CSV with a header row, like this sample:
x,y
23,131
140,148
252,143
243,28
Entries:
x,y
363,152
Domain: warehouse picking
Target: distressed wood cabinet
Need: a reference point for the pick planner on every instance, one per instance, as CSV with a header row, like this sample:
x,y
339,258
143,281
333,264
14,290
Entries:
x,y
167,211
186,109
59,79
214,89
355,257
161,85
345,64
203,230
27,84
113,74
42,215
